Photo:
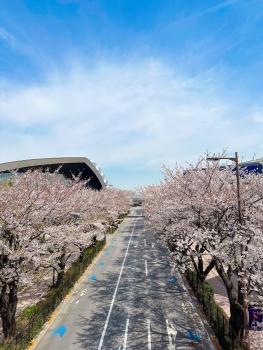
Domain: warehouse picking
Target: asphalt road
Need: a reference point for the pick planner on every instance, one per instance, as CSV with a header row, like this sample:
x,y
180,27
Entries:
x,y
131,298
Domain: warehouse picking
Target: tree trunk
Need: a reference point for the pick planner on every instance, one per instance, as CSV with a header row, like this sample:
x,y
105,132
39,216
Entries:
x,y
236,320
60,278
236,309
62,266
8,306
199,268
53,277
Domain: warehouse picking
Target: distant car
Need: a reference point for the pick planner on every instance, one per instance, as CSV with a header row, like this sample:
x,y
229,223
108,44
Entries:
x,y
137,202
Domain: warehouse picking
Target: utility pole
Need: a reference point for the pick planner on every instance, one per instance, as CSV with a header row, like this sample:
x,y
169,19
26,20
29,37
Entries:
x,y
245,302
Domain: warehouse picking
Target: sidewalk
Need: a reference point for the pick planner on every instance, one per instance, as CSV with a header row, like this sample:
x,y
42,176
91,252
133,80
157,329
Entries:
x,y
220,293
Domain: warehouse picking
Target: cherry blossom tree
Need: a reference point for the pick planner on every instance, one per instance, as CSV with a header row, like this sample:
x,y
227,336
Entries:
x,y
47,221
195,211
28,204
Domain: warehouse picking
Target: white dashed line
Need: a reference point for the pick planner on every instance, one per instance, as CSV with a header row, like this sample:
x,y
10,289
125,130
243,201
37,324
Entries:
x,y
149,335
126,335
146,270
115,292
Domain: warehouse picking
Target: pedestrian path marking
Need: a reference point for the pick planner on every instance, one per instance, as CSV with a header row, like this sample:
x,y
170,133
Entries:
x,y
194,336
92,278
172,280
60,331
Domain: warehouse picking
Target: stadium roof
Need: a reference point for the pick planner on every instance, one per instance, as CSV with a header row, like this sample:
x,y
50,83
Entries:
x,y
68,166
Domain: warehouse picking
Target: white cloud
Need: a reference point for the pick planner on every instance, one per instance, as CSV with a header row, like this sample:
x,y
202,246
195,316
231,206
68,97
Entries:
x,y
257,115
121,114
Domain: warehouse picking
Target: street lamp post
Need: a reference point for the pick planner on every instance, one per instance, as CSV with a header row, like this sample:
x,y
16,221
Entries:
x,y
245,303
233,159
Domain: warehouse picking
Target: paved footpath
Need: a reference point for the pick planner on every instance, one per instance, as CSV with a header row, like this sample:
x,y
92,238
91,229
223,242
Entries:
x,y
131,298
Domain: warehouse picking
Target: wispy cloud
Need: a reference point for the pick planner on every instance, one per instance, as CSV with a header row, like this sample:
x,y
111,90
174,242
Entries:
x,y
136,113
217,7
7,37
206,11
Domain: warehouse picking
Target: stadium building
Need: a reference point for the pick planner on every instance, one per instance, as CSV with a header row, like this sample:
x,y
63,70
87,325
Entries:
x,y
66,166
255,166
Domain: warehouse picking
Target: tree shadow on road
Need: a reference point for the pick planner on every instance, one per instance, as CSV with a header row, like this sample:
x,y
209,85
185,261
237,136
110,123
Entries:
x,y
139,298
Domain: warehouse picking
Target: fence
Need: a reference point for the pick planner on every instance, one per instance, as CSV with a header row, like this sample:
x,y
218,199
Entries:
x,y
30,324
220,324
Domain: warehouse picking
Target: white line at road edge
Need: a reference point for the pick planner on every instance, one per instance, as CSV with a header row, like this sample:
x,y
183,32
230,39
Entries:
x,y
115,292
149,335
126,335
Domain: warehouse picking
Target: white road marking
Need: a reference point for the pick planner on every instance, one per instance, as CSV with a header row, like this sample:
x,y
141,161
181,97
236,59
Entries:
x,y
126,335
115,292
152,245
172,332
146,270
77,301
145,242
149,335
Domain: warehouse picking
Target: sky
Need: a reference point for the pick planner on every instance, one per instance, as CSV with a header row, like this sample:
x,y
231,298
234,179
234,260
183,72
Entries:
x,y
131,84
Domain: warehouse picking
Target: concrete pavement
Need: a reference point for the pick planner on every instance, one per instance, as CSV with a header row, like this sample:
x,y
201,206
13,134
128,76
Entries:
x,y
131,298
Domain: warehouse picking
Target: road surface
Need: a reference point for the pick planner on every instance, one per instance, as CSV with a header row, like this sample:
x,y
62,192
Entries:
x,y
131,298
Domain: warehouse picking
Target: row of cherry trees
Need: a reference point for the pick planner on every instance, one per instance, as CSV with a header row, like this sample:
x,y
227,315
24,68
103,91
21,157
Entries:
x,y
195,211
47,222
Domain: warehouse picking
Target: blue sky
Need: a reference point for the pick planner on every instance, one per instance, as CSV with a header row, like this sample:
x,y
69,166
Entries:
x,y
131,84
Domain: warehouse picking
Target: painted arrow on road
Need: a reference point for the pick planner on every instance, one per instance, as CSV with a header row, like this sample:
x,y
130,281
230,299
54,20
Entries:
x,y
93,278
194,336
172,280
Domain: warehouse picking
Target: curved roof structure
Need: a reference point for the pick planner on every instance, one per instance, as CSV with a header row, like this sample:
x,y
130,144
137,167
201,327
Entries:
x,y
68,166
